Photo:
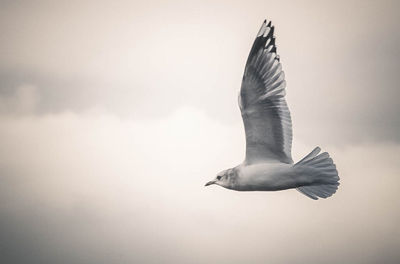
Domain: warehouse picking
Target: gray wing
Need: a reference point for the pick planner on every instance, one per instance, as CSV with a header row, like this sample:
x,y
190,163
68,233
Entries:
x,y
265,114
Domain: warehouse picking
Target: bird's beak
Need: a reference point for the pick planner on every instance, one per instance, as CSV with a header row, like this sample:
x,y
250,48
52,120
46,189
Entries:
x,y
210,182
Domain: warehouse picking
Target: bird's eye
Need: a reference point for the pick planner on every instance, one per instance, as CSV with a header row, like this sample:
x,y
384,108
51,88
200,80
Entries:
x,y
218,177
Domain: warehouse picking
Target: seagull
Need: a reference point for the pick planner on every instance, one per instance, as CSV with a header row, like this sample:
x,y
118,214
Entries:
x,y
268,165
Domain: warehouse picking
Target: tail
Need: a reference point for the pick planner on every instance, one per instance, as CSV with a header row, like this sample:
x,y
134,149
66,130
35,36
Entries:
x,y
323,170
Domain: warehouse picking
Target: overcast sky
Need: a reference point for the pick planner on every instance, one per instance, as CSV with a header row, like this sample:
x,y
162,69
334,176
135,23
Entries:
x,y
113,115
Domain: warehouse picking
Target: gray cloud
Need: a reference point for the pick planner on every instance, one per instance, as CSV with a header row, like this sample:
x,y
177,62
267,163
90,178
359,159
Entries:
x,y
146,60
97,189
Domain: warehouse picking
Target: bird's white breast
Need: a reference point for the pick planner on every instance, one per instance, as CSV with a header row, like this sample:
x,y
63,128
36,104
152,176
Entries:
x,y
265,177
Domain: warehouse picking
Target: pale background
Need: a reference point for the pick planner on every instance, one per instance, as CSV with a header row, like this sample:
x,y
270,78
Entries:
x,y
114,114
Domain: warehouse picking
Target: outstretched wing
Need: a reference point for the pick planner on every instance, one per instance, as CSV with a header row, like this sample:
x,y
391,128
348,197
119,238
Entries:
x,y
265,114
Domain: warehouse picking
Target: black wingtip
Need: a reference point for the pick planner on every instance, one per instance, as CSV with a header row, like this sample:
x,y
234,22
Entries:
x,y
263,41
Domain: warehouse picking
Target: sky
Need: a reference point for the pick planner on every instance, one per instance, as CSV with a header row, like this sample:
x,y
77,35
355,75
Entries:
x,y
114,114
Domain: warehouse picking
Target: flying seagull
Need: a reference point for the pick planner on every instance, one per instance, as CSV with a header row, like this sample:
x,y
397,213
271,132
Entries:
x,y
268,165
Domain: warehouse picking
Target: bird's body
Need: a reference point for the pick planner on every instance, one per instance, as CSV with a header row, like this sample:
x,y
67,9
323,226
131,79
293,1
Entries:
x,y
267,176
268,165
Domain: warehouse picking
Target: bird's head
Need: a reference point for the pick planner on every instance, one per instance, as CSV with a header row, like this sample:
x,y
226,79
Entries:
x,y
225,178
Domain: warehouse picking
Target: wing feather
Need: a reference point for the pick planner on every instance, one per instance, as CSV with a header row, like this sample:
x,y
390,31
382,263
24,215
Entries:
x,y
265,113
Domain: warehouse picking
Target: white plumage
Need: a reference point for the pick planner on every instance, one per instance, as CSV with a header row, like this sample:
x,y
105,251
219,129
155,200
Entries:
x,y
268,165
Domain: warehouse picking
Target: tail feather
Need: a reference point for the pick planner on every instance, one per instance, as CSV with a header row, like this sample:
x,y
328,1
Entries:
x,y
311,155
323,170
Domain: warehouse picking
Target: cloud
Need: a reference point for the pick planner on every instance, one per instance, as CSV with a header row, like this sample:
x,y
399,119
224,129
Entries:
x,y
95,188
145,61
23,101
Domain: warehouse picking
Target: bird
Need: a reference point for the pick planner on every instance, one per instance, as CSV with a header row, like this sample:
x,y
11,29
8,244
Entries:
x,y
268,163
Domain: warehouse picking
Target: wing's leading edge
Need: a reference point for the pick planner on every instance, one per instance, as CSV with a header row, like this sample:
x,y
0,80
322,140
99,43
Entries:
x,y
265,114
